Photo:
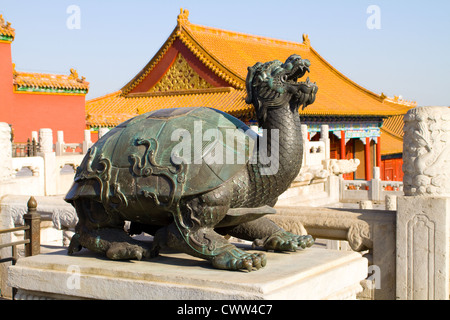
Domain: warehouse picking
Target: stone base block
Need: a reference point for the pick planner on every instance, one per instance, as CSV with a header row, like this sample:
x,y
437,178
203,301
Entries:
x,y
423,250
308,274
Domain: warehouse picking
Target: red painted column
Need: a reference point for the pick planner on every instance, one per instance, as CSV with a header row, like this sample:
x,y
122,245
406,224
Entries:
x,y
343,153
379,152
367,159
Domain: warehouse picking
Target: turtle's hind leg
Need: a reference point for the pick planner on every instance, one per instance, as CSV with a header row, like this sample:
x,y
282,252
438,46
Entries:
x,y
101,232
265,233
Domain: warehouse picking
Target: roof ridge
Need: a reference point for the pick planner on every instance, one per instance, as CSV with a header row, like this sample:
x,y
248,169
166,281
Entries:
x,y
72,76
183,21
246,35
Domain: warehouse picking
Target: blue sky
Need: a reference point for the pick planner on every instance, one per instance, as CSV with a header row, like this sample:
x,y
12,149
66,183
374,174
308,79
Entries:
x,y
408,55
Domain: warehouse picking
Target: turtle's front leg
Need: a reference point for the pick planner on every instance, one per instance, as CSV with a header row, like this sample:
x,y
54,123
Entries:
x,y
205,243
192,232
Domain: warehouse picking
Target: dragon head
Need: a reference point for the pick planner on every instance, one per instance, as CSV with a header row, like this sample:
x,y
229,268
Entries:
x,y
304,93
295,68
275,84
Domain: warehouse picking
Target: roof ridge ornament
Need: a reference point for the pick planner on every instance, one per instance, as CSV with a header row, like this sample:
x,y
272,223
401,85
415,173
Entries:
x,y
183,17
73,74
306,40
398,100
6,31
15,73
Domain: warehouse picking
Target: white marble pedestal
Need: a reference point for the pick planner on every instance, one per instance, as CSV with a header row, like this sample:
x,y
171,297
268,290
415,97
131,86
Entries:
x,y
307,274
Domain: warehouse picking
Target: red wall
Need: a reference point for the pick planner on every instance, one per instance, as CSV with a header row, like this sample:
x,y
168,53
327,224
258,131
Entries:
x,y
32,111
57,112
6,86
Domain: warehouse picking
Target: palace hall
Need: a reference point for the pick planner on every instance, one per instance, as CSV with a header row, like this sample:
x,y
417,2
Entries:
x,y
205,66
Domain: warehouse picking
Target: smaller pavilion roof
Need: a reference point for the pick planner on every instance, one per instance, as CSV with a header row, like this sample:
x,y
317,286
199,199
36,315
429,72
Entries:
x,y
50,83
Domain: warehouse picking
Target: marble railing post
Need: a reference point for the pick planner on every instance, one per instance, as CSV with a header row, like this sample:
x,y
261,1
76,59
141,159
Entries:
x,y
375,185
46,151
325,137
87,143
35,136
102,132
6,171
423,214
59,146
46,140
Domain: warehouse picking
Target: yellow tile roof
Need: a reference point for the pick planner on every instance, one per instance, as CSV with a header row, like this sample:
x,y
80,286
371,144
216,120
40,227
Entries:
x,y
392,135
27,81
6,32
394,125
115,108
390,143
228,55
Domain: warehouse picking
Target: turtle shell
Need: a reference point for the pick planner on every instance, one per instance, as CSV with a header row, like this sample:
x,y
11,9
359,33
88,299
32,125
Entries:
x,y
164,155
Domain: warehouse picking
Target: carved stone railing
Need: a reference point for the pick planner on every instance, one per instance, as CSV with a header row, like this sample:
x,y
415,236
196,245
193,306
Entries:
x,y
63,148
49,173
374,190
29,149
371,232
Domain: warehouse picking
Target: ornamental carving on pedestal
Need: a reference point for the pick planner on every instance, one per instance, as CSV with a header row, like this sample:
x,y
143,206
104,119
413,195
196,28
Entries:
x,y
426,152
338,167
359,237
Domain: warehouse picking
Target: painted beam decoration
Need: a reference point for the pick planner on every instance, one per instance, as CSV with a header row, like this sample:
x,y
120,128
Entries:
x,y
352,130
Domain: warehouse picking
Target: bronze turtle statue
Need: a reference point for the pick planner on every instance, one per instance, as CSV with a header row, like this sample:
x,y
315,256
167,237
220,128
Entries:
x,y
172,173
